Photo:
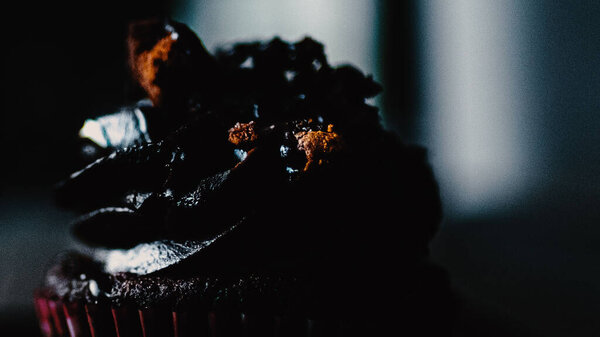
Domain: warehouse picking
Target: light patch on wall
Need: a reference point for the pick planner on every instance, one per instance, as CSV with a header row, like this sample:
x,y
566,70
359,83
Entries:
x,y
474,103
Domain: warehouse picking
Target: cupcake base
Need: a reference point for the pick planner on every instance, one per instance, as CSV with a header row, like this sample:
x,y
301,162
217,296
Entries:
x,y
58,318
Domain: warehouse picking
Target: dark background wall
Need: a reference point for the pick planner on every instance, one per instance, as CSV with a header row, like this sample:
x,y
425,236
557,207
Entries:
x,y
61,62
524,266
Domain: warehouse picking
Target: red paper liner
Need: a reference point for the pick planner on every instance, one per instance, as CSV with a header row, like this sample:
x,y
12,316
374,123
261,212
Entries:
x,y
126,321
58,317
43,315
75,319
100,320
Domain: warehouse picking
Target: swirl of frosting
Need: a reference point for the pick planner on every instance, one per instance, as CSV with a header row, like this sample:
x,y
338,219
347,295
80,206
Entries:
x,y
259,156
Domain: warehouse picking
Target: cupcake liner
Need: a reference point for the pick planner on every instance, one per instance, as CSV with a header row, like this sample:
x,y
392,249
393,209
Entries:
x,y
43,315
191,322
57,315
100,320
156,322
76,319
126,321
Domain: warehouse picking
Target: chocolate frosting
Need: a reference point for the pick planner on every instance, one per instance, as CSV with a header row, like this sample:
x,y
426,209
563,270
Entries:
x,y
261,156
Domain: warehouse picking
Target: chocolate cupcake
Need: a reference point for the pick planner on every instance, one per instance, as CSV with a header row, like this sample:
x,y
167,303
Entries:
x,y
252,192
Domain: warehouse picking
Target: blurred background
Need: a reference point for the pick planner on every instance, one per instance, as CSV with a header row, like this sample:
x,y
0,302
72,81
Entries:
x,y
504,95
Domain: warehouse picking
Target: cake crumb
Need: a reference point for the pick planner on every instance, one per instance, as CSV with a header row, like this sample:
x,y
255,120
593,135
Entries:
x,y
147,66
242,133
319,145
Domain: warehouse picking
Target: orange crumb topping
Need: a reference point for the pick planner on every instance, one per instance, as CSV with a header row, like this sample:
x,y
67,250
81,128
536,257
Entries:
x,y
242,133
318,145
147,64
